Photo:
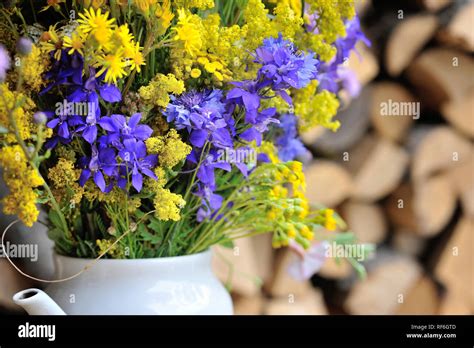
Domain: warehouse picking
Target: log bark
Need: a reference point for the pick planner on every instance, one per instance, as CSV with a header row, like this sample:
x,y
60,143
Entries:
x,y
462,180
392,127
328,183
441,148
424,208
454,264
407,39
385,288
440,75
371,158
355,122
460,114
459,31
366,220
421,299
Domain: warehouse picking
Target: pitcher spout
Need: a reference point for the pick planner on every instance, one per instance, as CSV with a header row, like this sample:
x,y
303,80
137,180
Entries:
x,y
37,302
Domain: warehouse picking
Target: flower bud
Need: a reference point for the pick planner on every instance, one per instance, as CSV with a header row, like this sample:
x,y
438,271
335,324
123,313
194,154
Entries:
x,y
40,117
24,46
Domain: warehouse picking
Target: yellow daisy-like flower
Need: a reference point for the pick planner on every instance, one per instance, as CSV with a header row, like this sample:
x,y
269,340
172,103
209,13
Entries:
x,y
75,43
164,15
188,33
136,59
124,39
113,65
97,23
50,41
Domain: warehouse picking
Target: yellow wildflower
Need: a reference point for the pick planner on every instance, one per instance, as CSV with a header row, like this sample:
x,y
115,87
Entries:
x,y
64,179
113,65
330,223
157,92
187,33
315,109
50,41
170,148
22,115
189,4
168,205
21,180
75,43
195,73
97,24
164,15
136,59
107,246
32,67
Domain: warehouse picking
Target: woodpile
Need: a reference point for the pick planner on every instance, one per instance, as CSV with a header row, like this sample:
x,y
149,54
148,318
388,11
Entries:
x,y
400,171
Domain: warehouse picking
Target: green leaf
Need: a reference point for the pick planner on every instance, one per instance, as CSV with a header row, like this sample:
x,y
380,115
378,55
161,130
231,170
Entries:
x,y
156,225
3,130
55,218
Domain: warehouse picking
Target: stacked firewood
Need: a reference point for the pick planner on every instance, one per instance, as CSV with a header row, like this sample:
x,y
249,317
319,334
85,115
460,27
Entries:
x,y
400,171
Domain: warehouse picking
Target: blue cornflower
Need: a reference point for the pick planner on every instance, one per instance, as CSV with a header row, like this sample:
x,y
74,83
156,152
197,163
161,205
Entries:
x,y
283,66
203,114
288,143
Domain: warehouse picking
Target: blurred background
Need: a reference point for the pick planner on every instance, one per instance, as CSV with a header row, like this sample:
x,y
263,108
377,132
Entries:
x,y
400,171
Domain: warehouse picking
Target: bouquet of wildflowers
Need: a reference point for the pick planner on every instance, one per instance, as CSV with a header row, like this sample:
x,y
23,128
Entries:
x,y
154,128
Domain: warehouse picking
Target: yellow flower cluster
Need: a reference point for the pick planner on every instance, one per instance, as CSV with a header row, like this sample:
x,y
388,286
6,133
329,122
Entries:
x,y
170,149
331,16
188,32
190,4
156,93
204,45
32,68
286,207
168,205
9,102
64,177
157,13
21,180
315,109
115,251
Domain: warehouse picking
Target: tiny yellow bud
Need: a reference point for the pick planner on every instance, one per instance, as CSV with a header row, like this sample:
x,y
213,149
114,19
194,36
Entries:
x,y
291,232
195,73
